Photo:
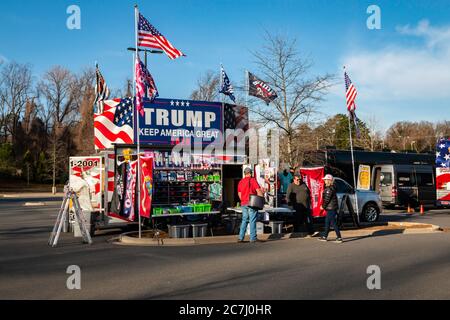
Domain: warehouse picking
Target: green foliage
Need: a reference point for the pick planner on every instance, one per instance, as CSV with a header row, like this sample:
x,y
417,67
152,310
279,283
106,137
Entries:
x,y
6,155
43,168
341,132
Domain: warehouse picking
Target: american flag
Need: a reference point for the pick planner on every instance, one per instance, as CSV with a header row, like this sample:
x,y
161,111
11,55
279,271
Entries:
x,y
350,93
226,87
115,124
148,36
144,84
101,90
443,171
443,153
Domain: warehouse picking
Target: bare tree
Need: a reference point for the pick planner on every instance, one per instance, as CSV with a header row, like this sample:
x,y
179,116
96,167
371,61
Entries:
x,y
84,138
417,136
281,65
207,87
58,88
15,87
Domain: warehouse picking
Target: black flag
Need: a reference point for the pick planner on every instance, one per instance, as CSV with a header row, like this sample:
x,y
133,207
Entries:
x,y
260,89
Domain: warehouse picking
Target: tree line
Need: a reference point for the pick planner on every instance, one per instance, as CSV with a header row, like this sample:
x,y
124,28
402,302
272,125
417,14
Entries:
x,y
45,120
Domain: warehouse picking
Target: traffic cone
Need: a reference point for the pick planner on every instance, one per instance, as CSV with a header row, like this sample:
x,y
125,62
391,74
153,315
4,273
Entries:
x,y
409,208
421,209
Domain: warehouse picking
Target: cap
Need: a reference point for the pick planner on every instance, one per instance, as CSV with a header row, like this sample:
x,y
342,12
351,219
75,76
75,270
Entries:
x,y
248,170
328,177
298,175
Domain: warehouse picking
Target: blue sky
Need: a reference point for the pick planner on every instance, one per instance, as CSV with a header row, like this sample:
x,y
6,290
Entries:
x,y
402,72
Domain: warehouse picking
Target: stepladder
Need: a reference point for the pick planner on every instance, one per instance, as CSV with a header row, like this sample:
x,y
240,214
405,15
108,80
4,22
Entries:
x,y
63,216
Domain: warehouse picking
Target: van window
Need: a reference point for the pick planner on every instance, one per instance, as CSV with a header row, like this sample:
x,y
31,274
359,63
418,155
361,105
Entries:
x,y
405,179
341,186
386,179
424,179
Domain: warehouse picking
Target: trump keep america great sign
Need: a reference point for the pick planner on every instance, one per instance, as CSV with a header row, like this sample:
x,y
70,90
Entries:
x,y
170,121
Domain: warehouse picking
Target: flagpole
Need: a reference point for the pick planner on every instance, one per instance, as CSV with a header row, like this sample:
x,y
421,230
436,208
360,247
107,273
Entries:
x,y
223,107
353,163
136,13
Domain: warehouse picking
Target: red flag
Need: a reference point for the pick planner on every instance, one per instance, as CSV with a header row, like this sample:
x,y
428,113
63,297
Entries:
x,y
313,179
145,202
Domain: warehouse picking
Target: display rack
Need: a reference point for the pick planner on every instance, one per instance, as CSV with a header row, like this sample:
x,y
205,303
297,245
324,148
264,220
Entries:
x,y
181,184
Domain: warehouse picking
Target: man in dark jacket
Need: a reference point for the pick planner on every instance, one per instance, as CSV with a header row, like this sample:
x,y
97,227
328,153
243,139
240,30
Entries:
x,y
330,204
299,196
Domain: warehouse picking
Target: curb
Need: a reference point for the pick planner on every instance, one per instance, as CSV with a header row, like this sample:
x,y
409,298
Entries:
x,y
402,227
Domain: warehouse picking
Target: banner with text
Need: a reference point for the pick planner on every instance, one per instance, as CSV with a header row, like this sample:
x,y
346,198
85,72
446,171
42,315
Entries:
x,y
171,121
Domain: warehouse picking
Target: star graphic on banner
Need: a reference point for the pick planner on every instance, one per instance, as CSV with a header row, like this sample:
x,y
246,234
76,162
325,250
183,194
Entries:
x,y
442,146
171,103
438,154
447,157
182,103
187,103
177,103
443,165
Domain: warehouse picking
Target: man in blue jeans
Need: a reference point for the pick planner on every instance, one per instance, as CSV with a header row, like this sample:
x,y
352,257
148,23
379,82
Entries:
x,y
247,186
330,204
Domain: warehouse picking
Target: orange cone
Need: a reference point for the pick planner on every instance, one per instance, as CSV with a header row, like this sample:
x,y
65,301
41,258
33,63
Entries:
x,y
409,208
421,209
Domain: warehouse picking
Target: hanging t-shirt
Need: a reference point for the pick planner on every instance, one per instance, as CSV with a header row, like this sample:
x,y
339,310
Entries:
x,y
215,191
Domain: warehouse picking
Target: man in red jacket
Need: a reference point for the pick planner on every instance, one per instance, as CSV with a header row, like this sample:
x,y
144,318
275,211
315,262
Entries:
x,y
247,186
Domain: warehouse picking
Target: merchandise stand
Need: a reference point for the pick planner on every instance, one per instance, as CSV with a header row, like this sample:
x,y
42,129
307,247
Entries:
x,y
184,186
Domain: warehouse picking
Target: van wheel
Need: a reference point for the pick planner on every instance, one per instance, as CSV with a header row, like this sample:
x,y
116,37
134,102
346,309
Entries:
x,y
371,213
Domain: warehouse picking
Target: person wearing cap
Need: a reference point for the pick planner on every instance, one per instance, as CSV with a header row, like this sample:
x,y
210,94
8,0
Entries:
x,y
330,204
246,187
299,196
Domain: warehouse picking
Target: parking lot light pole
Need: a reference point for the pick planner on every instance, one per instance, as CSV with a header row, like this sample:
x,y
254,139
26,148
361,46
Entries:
x,y
145,53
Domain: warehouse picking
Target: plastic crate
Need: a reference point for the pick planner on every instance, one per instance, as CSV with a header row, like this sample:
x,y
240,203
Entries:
x,y
179,231
187,209
157,211
198,207
206,207
199,230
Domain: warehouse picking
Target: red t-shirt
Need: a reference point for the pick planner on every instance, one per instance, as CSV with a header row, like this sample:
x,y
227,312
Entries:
x,y
246,187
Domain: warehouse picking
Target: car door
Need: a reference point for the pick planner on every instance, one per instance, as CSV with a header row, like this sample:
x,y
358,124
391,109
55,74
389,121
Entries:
x,y
343,188
425,184
384,182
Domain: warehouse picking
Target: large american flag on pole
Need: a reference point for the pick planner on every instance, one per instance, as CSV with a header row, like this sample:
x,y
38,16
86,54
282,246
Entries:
x,y
148,36
115,124
350,93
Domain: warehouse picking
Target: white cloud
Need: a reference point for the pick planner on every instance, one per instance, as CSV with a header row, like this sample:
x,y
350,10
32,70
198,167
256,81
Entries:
x,y
394,73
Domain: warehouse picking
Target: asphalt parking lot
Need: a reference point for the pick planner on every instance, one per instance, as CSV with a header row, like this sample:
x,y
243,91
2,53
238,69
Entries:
x,y
413,266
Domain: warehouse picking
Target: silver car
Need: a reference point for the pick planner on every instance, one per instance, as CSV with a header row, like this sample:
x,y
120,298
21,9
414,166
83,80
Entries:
x,y
369,202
